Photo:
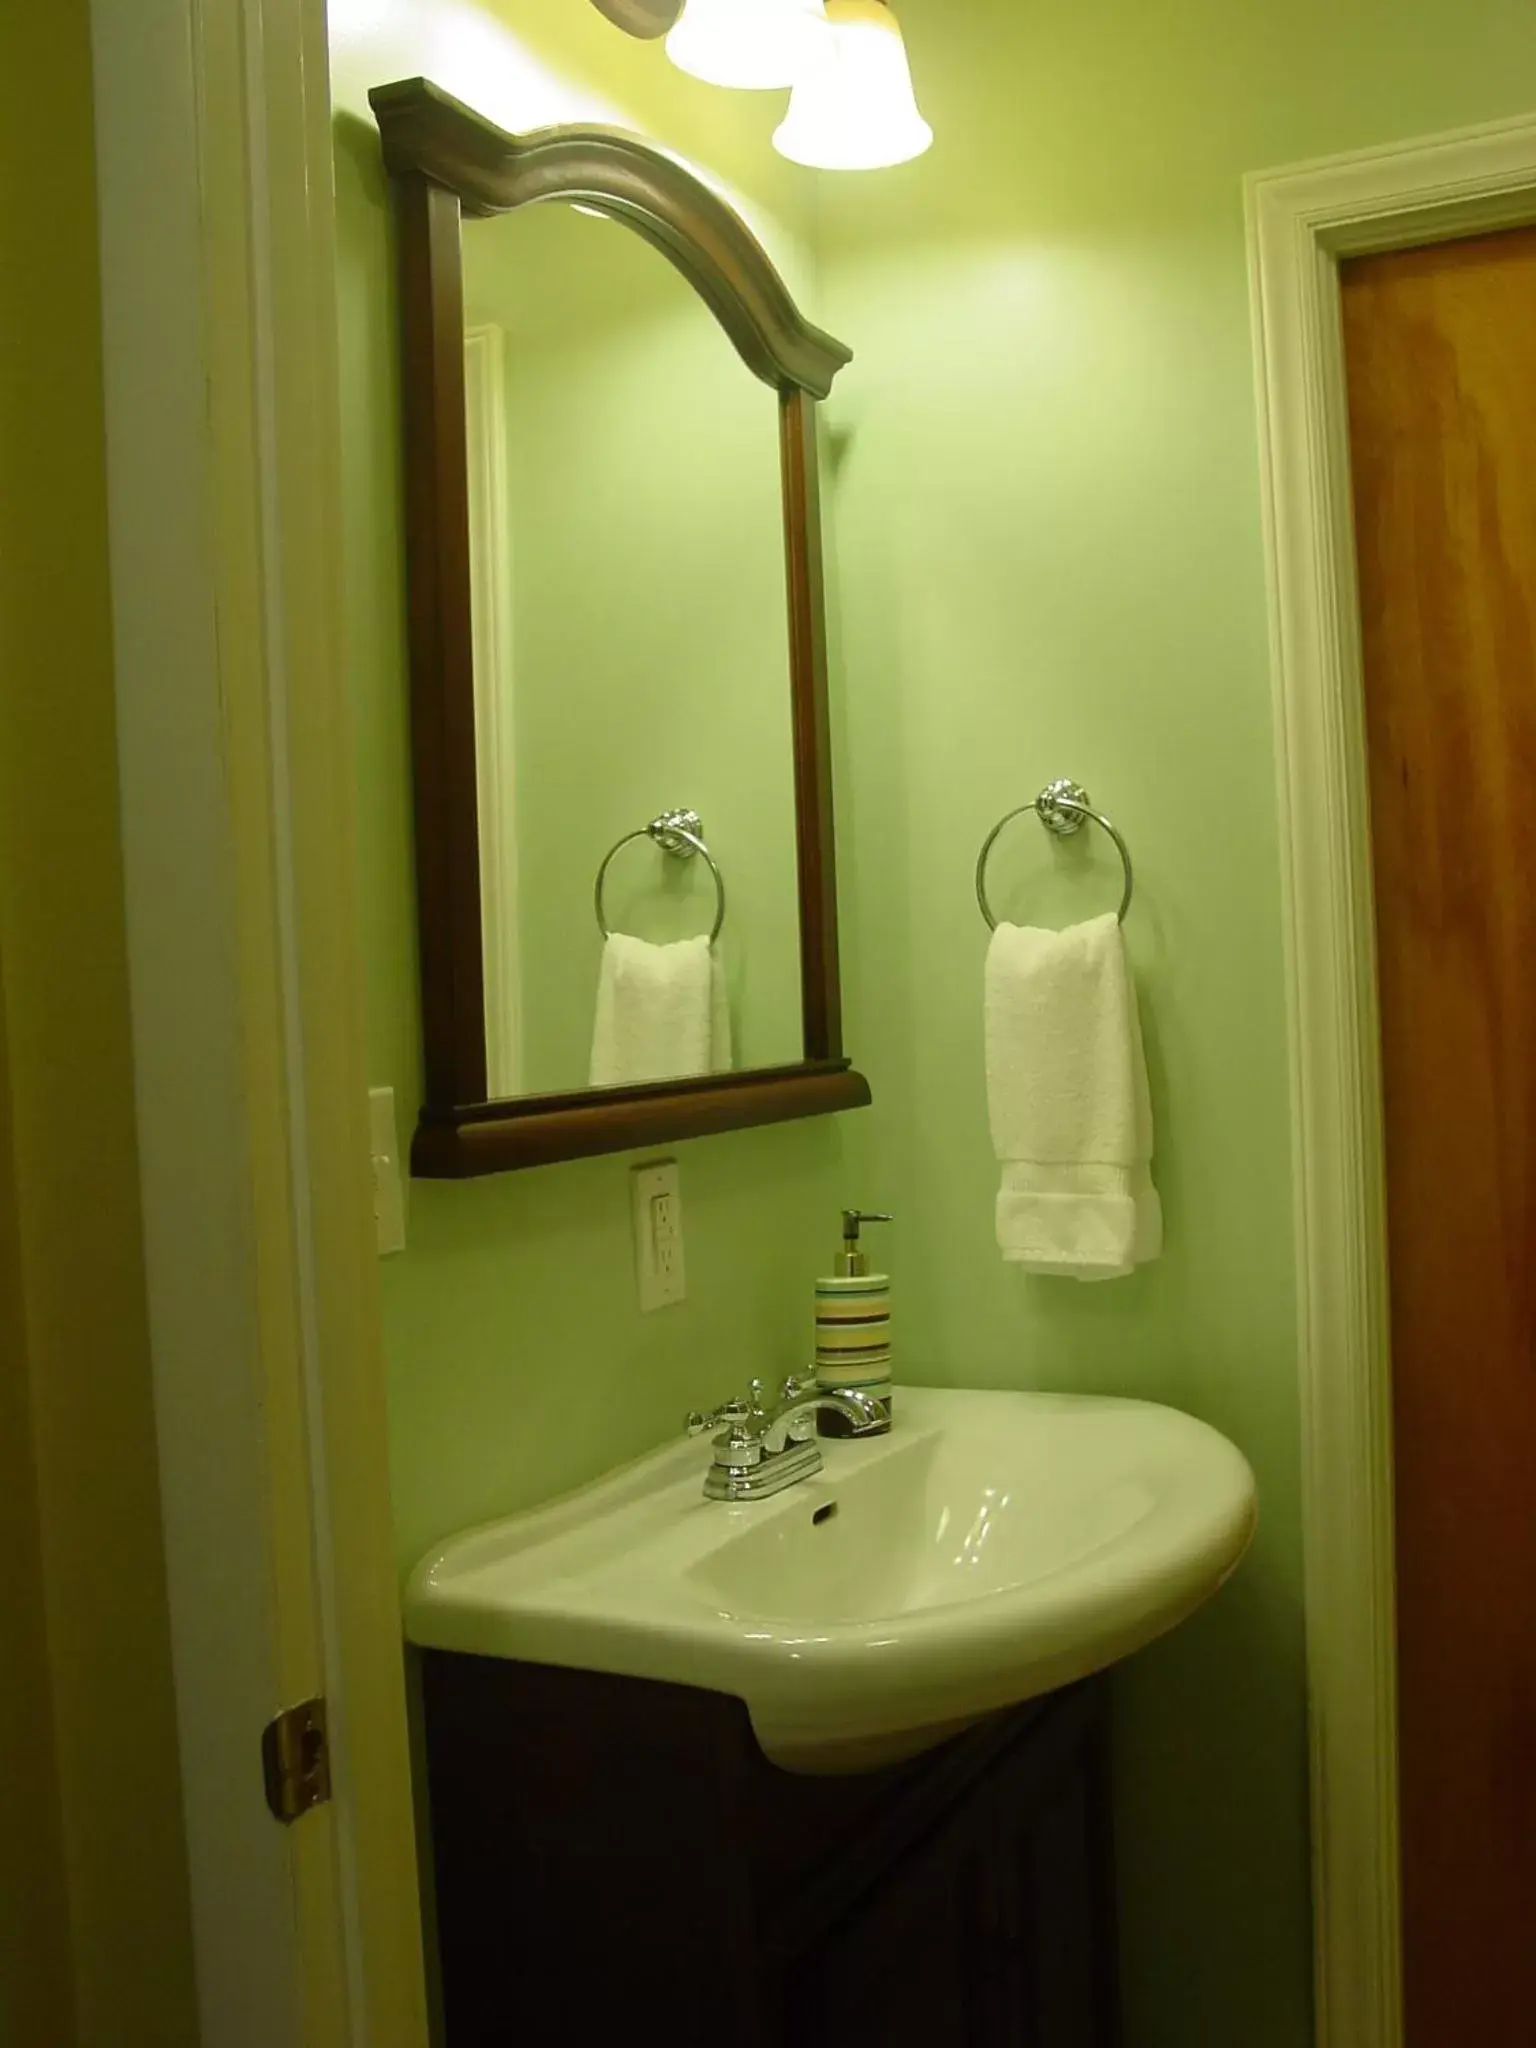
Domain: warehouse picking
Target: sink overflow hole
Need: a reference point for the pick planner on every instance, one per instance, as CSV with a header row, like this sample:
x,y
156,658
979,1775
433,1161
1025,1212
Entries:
x,y
824,1513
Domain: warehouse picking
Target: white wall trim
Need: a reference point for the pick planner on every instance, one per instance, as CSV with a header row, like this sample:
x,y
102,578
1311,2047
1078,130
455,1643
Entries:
x,y
490,577
1301,222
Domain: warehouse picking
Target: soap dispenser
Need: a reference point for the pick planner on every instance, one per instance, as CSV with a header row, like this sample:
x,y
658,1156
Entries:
x,y
853,1331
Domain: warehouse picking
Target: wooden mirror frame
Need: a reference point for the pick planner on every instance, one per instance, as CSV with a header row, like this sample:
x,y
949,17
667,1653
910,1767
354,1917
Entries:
x,y
445,161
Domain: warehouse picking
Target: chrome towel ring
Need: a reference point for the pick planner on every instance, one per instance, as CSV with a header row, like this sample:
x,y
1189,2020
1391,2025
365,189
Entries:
x,y
1061,808
679,833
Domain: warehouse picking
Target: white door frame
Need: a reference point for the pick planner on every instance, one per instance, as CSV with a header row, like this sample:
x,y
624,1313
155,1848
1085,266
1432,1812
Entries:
x,y
1301,222
214,182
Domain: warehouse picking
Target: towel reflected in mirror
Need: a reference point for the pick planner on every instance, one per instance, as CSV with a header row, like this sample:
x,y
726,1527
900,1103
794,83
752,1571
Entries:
x,y
662,1012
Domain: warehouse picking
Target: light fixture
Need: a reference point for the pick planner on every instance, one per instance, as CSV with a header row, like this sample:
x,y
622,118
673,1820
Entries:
x,y
756,44
853,108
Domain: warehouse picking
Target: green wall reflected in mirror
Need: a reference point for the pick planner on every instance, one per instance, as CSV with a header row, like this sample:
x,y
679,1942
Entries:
x,y
631,653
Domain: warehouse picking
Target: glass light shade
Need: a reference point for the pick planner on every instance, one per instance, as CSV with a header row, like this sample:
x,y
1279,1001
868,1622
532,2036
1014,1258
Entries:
x,y
853,109
760,45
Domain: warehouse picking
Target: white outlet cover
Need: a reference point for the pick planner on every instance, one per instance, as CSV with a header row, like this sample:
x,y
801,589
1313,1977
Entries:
x,y
657,1204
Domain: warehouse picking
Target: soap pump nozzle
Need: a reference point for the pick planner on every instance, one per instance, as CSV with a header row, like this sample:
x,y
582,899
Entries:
x,y
852,1263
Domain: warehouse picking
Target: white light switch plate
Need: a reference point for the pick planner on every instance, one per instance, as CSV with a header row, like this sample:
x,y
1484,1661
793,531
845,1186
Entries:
x,y
388,1185
658,1208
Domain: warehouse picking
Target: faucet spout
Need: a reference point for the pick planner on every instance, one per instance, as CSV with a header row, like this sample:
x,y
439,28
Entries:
x,y
854,1407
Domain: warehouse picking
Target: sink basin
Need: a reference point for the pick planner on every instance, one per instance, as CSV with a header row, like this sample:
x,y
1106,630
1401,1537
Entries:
x,y
993,1547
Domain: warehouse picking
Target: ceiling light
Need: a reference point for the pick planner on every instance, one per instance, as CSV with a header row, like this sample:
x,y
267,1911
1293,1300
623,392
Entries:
x,y
757,44
853,107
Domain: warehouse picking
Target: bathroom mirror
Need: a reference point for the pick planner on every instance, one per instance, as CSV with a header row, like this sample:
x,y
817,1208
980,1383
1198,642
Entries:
x,y
627,622
627,906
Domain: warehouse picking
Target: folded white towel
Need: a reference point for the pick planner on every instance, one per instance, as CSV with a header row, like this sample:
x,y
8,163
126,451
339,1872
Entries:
x,y
661,1012
1067,1096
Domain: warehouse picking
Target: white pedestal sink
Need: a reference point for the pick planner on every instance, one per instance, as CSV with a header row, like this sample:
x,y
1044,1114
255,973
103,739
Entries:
x,y
993,1547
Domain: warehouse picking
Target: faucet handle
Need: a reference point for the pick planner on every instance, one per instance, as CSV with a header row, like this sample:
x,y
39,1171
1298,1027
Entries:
x,y
794,1391
731,1414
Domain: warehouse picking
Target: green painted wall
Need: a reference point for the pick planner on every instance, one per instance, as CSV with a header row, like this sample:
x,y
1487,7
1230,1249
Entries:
x,y
95,1929
1044,501
1047,520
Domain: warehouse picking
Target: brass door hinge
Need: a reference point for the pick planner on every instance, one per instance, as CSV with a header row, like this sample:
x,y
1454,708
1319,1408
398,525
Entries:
x,y
296,1760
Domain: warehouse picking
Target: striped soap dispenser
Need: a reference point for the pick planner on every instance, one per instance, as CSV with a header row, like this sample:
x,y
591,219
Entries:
x,y
853,1330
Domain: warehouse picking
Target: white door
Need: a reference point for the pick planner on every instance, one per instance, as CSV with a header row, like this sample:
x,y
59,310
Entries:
x,y
214,180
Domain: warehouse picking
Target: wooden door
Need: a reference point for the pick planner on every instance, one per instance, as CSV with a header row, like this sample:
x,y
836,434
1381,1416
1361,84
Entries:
x,y
1441,352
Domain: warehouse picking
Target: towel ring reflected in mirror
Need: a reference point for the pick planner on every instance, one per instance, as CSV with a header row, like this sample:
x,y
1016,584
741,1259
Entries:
x,y
680,834
1062,807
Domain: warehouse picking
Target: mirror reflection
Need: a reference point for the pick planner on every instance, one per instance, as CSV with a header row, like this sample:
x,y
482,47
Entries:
x,y
632,692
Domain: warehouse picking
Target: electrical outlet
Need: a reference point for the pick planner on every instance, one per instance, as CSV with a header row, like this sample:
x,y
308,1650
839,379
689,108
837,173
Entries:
x,y
388,1187
658,1206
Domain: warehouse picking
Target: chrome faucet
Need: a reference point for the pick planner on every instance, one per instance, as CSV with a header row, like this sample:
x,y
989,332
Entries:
x,y
760,1451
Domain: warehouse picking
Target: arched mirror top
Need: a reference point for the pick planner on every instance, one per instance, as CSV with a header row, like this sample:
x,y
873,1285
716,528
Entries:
x,y
426,131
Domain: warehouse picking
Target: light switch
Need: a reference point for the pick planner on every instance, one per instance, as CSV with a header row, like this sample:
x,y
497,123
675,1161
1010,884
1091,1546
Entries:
x,y
658,1208
388,1185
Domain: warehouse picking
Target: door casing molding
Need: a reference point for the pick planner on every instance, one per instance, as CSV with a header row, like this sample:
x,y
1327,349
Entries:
x,y
1301,222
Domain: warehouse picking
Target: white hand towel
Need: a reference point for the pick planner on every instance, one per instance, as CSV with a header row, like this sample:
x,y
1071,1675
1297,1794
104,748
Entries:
x,y
1067,1095
661,1012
